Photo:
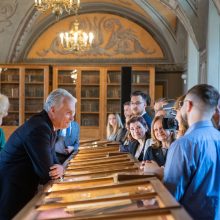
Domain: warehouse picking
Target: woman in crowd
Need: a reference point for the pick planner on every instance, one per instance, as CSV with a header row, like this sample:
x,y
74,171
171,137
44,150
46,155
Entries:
x,y
115,131
161,139
140,134
4,106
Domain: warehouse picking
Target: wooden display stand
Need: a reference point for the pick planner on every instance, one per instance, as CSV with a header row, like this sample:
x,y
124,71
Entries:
x,y
120,194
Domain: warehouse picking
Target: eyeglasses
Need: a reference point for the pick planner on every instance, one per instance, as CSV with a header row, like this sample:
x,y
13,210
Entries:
x,y
136,103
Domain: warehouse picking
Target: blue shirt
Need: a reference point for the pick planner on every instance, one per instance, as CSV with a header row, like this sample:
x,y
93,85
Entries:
x,y
192,171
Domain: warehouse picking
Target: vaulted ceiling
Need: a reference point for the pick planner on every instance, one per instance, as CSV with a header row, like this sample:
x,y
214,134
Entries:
x,y
168,22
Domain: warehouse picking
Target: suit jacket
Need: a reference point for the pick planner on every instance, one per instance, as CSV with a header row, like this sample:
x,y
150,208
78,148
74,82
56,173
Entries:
x,y
25,162
133,145
157,155
119,136
148,119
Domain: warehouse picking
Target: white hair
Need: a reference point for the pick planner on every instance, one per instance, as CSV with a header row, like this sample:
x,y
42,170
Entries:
x,y
55,98
4,104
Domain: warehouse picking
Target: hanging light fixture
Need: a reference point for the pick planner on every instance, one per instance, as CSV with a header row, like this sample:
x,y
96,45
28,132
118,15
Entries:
x,y
76,40
58,6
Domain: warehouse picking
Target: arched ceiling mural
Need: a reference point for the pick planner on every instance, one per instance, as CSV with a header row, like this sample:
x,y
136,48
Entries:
x,y
166,21
115,38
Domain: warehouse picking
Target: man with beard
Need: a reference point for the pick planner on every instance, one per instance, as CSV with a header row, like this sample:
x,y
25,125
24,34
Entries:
x,y
192,167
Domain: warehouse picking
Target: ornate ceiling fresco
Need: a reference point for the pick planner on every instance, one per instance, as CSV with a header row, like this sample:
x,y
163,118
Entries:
x,y
21,26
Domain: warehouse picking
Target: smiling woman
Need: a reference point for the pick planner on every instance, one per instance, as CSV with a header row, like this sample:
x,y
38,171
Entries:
x,y
162,139
139,132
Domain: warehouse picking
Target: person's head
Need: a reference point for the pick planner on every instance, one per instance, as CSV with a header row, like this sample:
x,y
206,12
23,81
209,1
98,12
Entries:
x,y
159,135
159,103
138,127
139,102
182,124
127,110
60,106
113,124
199,103
4,106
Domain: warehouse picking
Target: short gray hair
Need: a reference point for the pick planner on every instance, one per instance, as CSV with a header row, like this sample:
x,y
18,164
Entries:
x,y
4,104
55,98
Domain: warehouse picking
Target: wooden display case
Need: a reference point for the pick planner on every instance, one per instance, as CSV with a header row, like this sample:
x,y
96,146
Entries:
x,y
111,195
106,198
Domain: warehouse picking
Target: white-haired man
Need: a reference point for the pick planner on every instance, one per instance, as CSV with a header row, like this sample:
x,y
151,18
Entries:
x,y
28,158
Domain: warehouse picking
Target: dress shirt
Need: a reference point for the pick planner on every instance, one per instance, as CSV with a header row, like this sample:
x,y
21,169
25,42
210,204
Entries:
x,y
192,171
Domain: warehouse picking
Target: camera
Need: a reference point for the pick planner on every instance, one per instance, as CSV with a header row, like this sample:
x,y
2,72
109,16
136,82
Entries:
x,y
169,121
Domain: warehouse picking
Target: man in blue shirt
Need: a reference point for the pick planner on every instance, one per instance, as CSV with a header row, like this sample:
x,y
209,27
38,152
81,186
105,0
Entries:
x,y
67,141
192,169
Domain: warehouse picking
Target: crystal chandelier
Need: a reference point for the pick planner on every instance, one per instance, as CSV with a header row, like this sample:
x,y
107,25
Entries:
x,y
76,40
58,6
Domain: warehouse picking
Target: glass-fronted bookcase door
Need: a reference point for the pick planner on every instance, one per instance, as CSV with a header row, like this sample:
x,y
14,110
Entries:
x,y
113,91
87,88
36,89
62,79
9,86
90,92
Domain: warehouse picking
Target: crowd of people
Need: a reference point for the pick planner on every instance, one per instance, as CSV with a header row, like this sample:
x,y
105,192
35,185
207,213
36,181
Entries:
x,y
186,157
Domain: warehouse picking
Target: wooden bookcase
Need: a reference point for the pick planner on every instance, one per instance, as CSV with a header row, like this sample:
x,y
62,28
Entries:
x,y
88,89
98,91
27,87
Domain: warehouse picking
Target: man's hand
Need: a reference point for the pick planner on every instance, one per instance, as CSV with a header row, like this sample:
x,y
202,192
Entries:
x,y
69,149
56,171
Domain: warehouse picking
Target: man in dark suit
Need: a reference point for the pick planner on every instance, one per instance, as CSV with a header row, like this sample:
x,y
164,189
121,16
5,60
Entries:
x,y
139,102
28,158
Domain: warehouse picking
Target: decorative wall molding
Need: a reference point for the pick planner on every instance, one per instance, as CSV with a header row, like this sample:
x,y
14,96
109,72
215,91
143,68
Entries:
x,y
217,4
7,10
24,35
194,5
170,68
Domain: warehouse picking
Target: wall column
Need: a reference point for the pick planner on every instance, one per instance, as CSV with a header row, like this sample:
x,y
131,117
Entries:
x,y
193,64
213,50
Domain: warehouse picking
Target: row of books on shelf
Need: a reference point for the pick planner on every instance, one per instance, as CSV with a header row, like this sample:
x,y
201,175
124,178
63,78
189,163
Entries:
x,y
30,91
32,78
90,92
34,91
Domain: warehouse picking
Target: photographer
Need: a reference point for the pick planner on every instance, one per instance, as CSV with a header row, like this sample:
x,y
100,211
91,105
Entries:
x,y
162,139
